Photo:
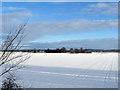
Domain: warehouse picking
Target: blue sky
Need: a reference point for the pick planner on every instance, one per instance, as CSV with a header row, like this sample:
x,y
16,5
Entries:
x,y
57,11
57,22
60,1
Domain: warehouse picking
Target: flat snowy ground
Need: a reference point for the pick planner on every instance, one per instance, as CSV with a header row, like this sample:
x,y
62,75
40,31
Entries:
x,y
62,70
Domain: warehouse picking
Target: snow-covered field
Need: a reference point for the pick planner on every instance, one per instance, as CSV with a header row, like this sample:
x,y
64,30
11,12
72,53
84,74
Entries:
x,y
62,70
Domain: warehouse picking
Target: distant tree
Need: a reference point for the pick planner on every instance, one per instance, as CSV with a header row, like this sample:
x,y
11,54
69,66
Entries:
x,y
76,51
71,50
86,51
63,49
38,50
81,50
34,50
58,50
47,51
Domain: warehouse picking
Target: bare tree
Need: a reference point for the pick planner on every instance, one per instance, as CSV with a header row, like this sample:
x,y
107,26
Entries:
x,y
10,59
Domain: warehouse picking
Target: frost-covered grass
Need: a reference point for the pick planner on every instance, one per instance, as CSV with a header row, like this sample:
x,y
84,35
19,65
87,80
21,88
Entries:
x,y
62,70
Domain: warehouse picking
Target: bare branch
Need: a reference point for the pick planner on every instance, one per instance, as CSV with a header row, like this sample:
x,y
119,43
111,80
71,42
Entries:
x,y
12,43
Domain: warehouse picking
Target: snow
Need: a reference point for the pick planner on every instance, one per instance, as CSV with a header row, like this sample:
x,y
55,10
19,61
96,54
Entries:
x,y
64,70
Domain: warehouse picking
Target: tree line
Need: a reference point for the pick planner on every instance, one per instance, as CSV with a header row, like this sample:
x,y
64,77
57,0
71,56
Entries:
x,y
58,50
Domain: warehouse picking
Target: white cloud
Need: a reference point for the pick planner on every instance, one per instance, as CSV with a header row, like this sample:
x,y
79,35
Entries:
x,y
39,29
101,9
105,43
13,8
14,19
